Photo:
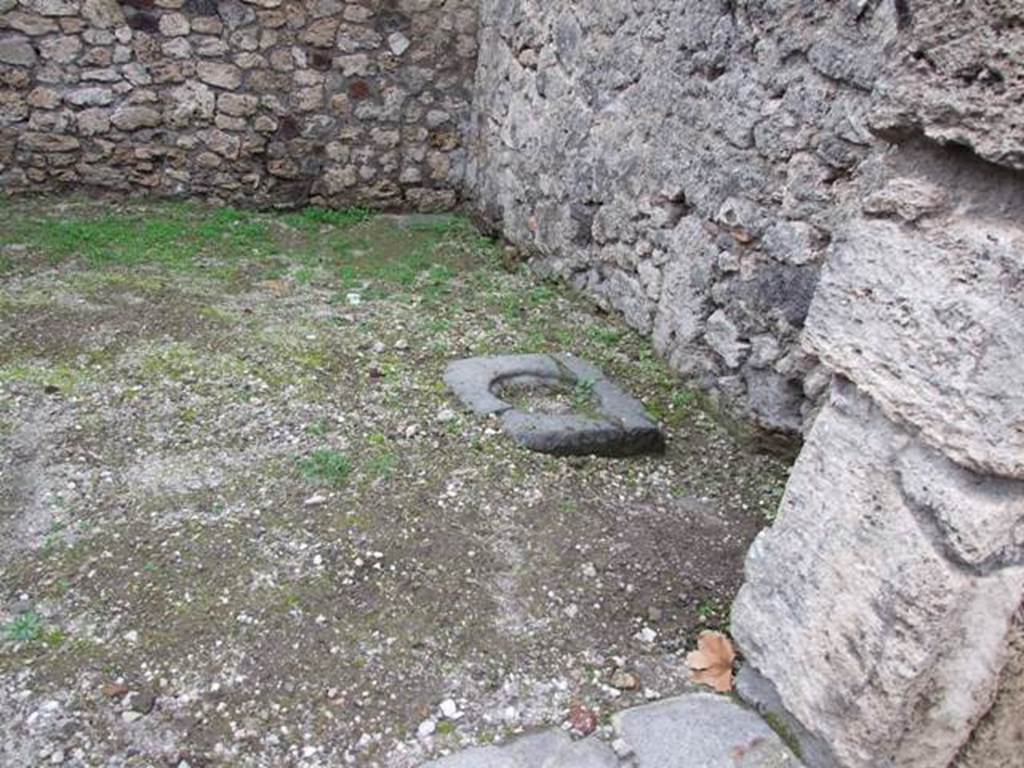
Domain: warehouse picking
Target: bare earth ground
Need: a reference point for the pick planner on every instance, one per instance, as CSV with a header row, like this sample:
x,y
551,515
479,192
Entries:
x,y
242,523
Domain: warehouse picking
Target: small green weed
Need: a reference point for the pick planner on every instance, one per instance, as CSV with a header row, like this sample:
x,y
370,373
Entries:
x,y
606,337
710,611
55,637
326,466
445,728
319,428
541,295
26,628
582,394
53,538
382,465
684,400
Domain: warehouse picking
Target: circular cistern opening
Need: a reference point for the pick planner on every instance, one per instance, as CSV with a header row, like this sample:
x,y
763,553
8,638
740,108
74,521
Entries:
x,y
557,396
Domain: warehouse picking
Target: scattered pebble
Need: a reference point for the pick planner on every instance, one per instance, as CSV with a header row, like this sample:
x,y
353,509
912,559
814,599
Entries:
x,y
646,635
621,748
624,681
449,709
426,728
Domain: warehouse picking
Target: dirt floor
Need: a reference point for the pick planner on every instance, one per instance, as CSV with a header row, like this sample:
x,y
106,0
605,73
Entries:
x,y
242,522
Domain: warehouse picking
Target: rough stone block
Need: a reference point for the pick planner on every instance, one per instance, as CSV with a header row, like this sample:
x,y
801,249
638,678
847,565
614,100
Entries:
x,y
16,50
998,742
49,142
135,118
222,75
879,604
931,326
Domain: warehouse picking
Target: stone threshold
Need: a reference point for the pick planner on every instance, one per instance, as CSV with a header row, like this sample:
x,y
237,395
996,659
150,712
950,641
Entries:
x,y
695,730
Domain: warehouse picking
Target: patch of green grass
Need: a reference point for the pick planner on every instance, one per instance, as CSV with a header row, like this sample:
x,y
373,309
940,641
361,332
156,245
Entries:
x,y
541,295
25,628
240,231
319,428
53,538
399,272
326,466
61,378
439,224
114,239
311,219
172,235
684,400
606,337
382,465
175,361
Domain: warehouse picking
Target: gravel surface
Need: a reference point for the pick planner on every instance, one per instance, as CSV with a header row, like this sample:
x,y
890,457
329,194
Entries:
x,y
243,523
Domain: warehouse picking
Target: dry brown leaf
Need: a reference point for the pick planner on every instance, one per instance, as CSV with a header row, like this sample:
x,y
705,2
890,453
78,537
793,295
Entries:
x,y
712,661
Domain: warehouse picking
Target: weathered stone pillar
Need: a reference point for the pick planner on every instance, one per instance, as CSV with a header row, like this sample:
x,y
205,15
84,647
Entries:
x,y
881,604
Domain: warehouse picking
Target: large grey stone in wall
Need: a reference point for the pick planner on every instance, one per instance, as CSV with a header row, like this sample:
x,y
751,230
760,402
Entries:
x,y
998,742
930,323
880,602
16,50
959,77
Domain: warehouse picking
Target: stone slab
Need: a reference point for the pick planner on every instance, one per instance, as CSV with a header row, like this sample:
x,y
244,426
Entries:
x,y
701,730
620,428
546,749
697,730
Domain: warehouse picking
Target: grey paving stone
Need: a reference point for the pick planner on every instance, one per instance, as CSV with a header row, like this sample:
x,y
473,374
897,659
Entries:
x,y
547,749
701,730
